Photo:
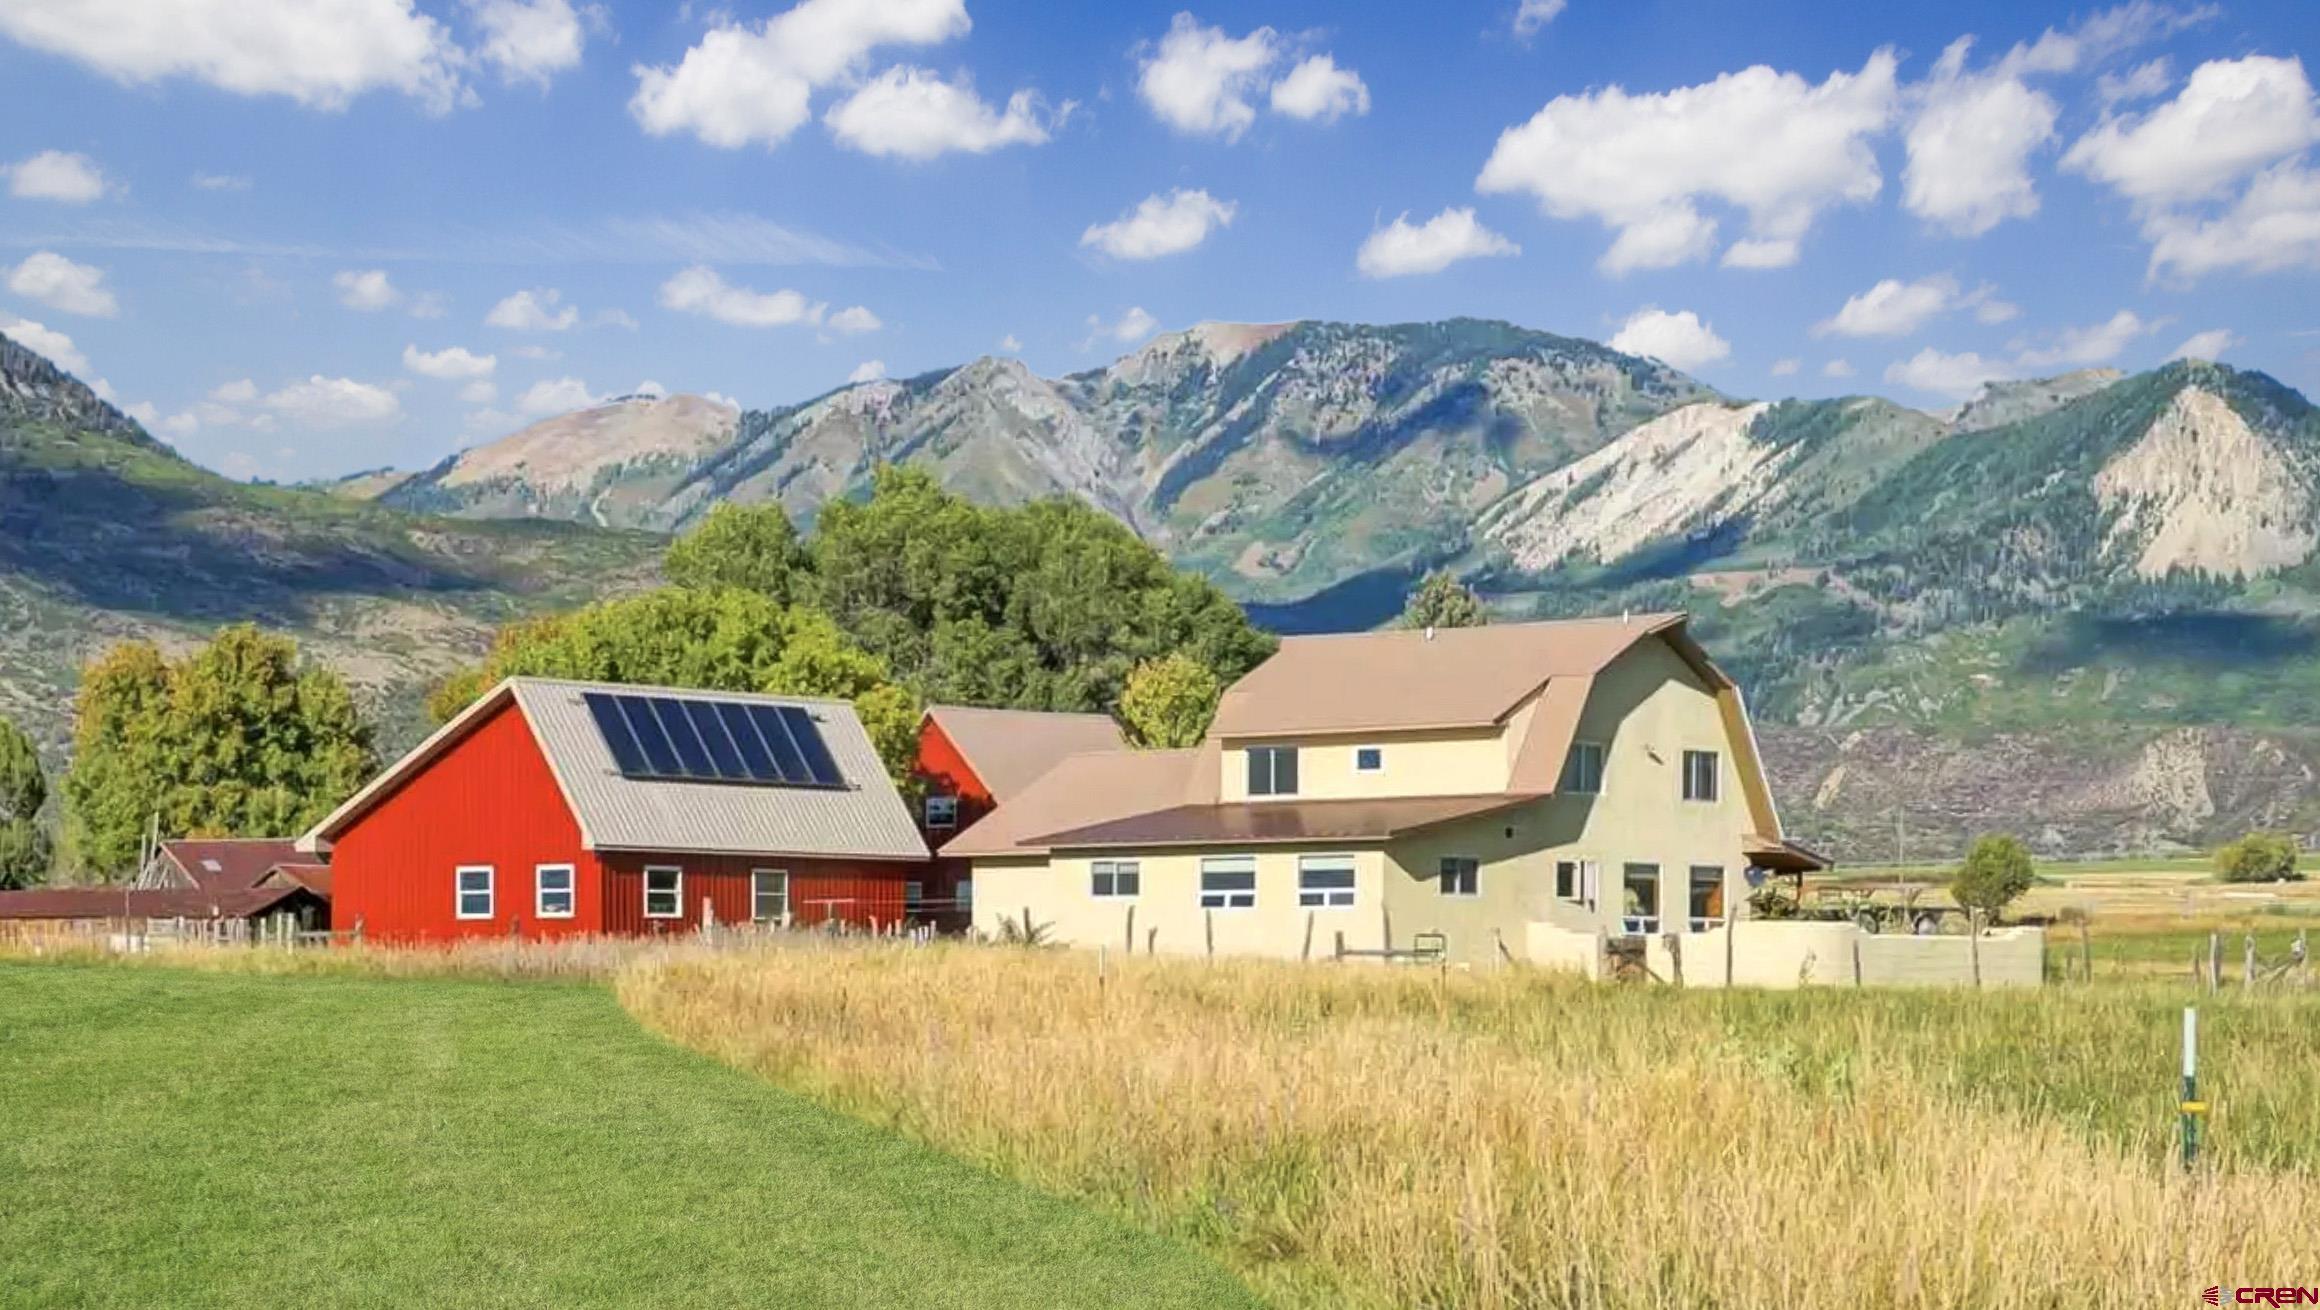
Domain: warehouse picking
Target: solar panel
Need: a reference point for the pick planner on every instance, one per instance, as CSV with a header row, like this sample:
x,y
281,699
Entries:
x,y
665,739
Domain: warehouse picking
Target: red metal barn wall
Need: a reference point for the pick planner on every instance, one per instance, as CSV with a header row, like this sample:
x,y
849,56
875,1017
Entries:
x,y
490,799
865,893
943,769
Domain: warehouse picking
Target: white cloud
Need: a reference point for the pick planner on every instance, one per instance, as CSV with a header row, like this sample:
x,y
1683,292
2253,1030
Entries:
x,y
556,396
2082,347
540,309
869,370
450,364
1010,343
1161,225
1784,368
2138,83
321,402
529,40
1892,308
1401,248
2273,226
2232,118
1317,90
1678,339
240,392
912,113
741,85
1988,308
1969,146
700,290
366,289
1957,377
482,391
1771,144
319,53
220,182
1837,368
1531,15
71,179
46,341
1129,328
649,389
2211,344
853,319
720,398
63,285
1200,81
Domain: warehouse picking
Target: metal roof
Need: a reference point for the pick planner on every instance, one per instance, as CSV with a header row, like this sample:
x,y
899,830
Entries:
x,y
1269,822
145,903
1009,749
1088,789
228,863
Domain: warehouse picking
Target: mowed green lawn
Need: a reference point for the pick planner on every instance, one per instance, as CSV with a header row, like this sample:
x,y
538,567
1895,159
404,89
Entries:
x,y
192,1139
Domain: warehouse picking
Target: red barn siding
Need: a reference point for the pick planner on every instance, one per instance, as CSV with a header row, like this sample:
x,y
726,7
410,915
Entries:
x,y
489,799
863,893
943,769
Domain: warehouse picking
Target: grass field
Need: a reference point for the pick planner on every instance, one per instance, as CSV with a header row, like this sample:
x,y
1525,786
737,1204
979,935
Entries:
x,y
183,1138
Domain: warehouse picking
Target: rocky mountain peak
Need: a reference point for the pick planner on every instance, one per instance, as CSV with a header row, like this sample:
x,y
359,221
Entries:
x,y
35,390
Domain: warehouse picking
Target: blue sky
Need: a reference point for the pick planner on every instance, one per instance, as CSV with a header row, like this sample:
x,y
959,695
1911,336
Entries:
x,y
295,235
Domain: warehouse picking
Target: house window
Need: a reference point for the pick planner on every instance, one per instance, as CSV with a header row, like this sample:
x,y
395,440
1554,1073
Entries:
x,y
1639,898
1114,879
965,895
552,891
1699,775
1575,882
1325,881
1228,882
942,811
664,892
1461,875
1272,770
913,897
769,895
1583,769
1707,897
475,891
1369,759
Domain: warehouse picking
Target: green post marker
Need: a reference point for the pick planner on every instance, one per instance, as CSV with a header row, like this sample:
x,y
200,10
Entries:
x,y
2193,1107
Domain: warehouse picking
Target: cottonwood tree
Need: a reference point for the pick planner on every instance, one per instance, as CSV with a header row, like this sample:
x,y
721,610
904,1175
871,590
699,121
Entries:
x,y
24,844
1442,601
1168,702
1997,870
752,547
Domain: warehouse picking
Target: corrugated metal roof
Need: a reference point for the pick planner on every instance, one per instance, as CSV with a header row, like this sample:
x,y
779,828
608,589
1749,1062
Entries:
x,y
864,818
1086,789
1268,822
1009,749
229,863
147,903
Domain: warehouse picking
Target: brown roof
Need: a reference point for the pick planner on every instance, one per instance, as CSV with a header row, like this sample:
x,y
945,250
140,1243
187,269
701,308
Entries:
x,y
1009,749
1407,679
151,903
1782,855
313,877
1086,789
1263,822
229,863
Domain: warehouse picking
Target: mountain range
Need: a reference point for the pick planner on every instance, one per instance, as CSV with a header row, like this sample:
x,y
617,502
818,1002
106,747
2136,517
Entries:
x,y
2081,607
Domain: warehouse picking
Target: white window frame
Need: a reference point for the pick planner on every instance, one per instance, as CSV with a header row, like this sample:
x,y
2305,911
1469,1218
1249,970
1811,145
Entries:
x,y
677,909
459,892
1715,776
1693,883
1115,868
1327,898
1379,767
949,808
1648,922
758,878
540,892
1229,900
1473,882
1602,765
1272,755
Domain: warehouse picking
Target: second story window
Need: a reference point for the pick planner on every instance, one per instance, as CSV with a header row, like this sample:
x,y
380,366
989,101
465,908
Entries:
x,y
942,811
1583,769
1699,775
1272,770
1369,759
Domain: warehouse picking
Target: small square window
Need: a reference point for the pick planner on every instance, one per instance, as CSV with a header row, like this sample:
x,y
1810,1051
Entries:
x,y
1325,881
552,891
1583,769
1700,775
1461,876
475,892
942,811
1115,879
1369,759
664,892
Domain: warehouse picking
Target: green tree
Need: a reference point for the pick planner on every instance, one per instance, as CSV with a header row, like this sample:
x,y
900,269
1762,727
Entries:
x,y
1997,869
235,740
2258,857
24,844
1442,601
1169,701
752,547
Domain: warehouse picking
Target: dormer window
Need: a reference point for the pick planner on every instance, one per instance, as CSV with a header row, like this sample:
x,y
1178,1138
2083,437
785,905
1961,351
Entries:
x,y
1272,770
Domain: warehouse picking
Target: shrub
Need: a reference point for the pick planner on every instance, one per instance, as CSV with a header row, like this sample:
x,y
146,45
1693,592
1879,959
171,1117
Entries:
x,y
2258,857
1996,871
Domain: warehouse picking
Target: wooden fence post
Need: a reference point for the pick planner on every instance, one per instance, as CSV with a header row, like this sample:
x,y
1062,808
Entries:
x,y
1131,930
1152,941
2085,953
2247,977
1974,927
1307,953
1731,930
2214,961
1675,947
1340,944
1856,957
1208,925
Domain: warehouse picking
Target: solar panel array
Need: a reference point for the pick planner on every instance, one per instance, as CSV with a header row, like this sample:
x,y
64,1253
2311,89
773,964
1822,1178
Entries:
x,y
668,739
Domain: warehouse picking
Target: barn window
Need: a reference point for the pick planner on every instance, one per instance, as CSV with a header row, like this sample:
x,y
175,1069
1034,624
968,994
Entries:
x,y
942,811
913,897
769,896
552,891
664,892
474,891
1325,881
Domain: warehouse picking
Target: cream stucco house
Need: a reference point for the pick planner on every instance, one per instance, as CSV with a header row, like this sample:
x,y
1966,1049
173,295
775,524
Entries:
x,y
1536,792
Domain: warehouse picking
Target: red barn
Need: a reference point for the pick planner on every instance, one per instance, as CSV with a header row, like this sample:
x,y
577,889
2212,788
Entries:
x,y
552,808
972,760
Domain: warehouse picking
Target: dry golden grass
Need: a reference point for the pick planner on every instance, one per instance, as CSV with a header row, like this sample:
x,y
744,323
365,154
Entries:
x,y
1365,1136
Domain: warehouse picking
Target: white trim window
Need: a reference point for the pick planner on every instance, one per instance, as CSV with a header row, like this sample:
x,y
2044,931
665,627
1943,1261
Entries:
x,y
1639,898
473,896
769,895
1707,897
1272,770
1115,880
664,891
1702,770
1369,759
942,812
552,891
1325,882
1583,769
1228,882
1461,876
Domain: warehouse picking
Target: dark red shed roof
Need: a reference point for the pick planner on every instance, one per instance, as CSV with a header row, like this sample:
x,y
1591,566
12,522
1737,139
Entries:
x,y
230,863
153,903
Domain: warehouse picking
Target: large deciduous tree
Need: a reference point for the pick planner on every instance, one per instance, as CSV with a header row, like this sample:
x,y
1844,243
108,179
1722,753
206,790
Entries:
x,y
24,844
1169,701
753,547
